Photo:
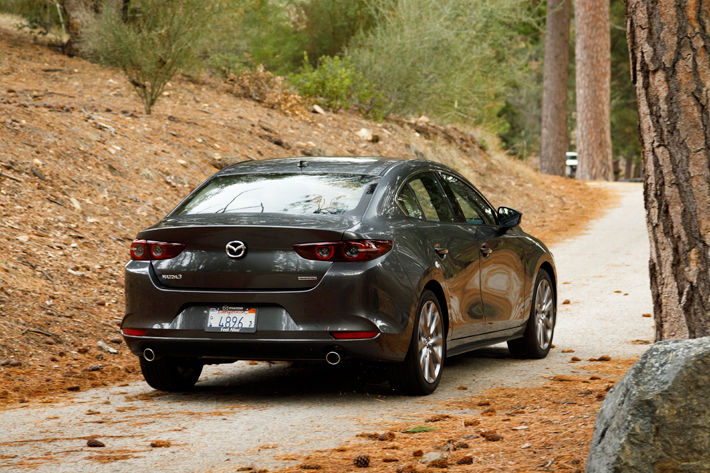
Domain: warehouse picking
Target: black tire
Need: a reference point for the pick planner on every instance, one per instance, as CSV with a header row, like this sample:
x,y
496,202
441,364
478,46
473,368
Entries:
x,y
409,377
170,374
534,344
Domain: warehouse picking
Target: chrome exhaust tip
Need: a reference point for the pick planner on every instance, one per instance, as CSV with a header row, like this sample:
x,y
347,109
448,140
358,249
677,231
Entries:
x,y
332,358
148,354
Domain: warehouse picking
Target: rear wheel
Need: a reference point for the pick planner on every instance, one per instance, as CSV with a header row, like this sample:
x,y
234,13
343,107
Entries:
x,y
420,372
170,374
537,340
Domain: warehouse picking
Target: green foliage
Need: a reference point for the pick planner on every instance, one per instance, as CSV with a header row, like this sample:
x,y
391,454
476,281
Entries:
x,y
329,25
336,85
157,40
416,430
42,16
269,35
449,59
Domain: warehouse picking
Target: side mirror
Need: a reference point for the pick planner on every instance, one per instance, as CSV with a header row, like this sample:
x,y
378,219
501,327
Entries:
x,y
508,217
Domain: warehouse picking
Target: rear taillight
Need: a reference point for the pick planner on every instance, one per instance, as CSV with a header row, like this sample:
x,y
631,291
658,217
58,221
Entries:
x,y
353,335
134,332
151,250
349,250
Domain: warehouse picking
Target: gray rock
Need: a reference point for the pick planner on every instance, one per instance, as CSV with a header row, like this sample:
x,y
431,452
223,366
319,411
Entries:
x,y
433,456
657,417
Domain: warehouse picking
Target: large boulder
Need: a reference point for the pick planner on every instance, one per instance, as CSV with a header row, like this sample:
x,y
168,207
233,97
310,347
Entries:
x,y
657,417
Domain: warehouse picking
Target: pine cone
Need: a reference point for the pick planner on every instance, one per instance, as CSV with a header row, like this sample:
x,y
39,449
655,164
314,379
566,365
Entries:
x,y
362,461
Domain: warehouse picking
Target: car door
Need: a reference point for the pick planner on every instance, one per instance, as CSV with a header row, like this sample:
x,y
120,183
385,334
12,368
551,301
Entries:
x,y
454,249
472,218
502,270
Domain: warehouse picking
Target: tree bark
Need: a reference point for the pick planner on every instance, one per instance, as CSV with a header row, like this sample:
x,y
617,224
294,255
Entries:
x,y
668,44
553,146
593,64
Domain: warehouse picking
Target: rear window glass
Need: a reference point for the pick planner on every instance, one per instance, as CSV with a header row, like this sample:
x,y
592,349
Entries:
x,y
280,193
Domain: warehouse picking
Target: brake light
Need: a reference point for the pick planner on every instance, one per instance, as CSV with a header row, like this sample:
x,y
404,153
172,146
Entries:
x,y
152,250
348,250
353,335
134,332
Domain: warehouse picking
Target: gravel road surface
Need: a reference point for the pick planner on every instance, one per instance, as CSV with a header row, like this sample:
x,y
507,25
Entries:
x,y
258,414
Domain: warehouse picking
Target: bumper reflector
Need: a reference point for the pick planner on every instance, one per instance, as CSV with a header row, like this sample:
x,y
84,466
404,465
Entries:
x,y
134,332
353,335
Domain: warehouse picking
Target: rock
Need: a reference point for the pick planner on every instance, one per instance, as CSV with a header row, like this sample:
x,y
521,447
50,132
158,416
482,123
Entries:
x,y
317,109
95,443
417,453
116,341
386,437
645,315
566,301
462,388
96,367
437,418
15,363
466,460
365,134
433,457
656,417
107,348
5,362
471,422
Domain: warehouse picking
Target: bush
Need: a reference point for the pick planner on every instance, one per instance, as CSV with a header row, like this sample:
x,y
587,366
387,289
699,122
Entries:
x,y
450,59
337,85
155,41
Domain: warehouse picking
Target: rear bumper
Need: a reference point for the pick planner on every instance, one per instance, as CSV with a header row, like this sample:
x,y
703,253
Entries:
x,y
228,350
290,325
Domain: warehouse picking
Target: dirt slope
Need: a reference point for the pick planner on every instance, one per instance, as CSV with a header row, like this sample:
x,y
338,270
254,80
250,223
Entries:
x,y
84,169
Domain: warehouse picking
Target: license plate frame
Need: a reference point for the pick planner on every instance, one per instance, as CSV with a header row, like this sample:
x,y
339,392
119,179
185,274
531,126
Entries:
x,y
231,319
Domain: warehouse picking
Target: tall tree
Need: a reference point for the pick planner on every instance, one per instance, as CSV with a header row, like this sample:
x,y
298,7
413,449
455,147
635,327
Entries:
x,y
669,42
553,143
593,67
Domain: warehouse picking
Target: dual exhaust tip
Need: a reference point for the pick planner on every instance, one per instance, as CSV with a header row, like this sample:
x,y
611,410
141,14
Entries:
x,y
149,354
332,357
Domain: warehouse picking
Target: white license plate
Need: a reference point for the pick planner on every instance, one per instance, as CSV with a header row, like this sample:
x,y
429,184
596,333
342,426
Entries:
x,y
231,320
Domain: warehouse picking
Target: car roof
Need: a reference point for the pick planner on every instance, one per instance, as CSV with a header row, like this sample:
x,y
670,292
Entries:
x,y
369,165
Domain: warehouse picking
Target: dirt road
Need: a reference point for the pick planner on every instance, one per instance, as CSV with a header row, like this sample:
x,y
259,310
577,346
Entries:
x,y
258,414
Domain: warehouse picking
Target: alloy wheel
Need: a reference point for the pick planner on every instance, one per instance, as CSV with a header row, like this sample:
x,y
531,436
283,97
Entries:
x,y
431,341
544,315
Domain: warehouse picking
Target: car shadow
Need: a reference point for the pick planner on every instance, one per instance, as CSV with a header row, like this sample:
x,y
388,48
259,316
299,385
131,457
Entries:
x,y
279,381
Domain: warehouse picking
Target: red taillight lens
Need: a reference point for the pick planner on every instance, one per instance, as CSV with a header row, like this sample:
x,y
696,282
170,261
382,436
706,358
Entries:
x,y
348,250
135,332
151,250
353,335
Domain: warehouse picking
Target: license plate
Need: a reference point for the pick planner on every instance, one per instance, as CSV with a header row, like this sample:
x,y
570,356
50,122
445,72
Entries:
x,y
231,320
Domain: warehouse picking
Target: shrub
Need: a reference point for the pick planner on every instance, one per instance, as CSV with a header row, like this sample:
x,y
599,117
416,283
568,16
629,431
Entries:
x,y
155,41
449,59
335,84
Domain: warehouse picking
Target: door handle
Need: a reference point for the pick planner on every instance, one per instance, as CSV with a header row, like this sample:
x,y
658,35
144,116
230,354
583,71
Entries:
x,y
486,251
441,251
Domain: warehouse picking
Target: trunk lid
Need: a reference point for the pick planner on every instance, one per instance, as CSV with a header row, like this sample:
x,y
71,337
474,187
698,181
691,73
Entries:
x,y
268,261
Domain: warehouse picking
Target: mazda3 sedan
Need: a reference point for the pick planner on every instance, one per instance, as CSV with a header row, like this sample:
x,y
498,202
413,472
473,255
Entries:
x,y
397,261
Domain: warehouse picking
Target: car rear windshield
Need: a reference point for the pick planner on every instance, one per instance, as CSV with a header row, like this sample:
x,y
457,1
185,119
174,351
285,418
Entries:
x,y
280,193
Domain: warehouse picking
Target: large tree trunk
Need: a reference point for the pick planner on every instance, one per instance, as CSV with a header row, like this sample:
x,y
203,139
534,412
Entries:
x,y
553,144
593,63
668,43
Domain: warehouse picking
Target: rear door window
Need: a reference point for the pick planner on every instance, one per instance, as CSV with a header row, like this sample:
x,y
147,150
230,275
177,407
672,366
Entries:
x,y
431,197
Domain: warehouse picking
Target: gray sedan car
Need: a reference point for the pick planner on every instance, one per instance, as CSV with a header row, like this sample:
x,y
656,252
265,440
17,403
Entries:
x,y
398,261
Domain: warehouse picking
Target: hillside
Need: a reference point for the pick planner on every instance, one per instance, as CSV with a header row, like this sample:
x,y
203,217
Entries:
x,y
84,169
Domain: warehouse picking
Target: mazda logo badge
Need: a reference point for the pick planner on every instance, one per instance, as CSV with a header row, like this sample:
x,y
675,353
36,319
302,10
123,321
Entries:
x,y
236,249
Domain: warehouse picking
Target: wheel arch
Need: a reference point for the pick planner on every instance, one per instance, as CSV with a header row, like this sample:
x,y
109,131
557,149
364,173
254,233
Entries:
x,y
549,268
434,286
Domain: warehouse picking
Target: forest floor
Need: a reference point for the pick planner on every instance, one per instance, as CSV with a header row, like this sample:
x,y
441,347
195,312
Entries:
x,y
83,169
